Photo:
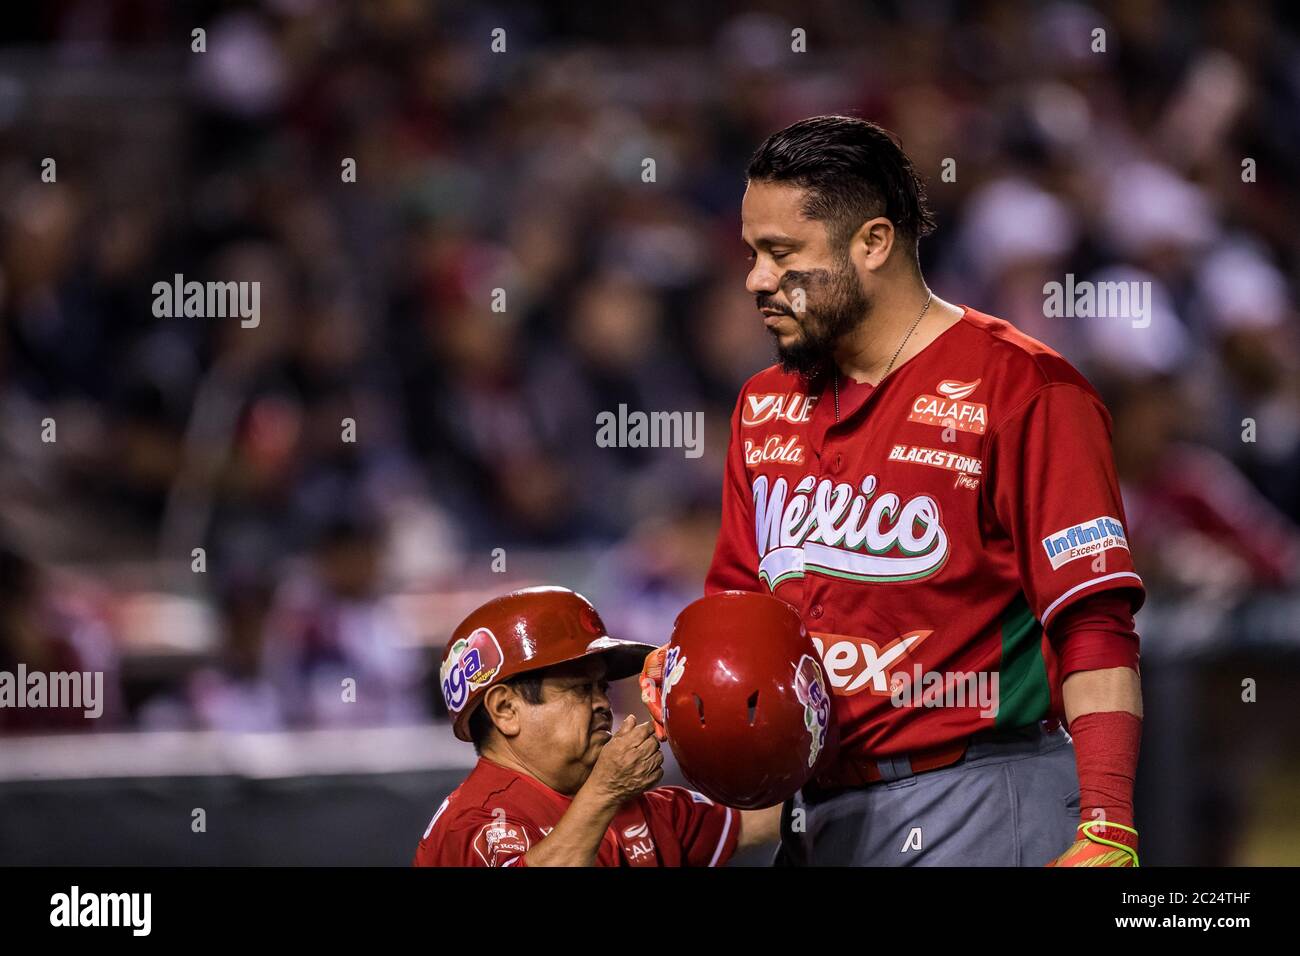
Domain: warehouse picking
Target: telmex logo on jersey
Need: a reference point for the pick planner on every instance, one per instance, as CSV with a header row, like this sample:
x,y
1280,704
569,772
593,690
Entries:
x,y
1084,540
836,530
949,409
855,664
793,407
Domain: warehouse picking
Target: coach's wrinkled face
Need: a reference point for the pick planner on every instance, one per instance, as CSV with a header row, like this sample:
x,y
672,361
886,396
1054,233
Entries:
x,y
560,737
809,292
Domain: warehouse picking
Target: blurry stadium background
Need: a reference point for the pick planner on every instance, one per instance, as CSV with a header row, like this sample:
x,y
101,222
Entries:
x,y
522,170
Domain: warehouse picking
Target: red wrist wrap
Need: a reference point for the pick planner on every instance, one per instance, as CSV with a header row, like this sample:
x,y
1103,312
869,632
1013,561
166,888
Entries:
x,y
1105,753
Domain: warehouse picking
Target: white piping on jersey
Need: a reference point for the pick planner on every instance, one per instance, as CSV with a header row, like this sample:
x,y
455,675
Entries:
x,y
722,840
1087,584
440,812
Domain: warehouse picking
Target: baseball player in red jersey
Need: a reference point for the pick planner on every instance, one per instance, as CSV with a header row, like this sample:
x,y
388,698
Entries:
x,y
525,678
934,492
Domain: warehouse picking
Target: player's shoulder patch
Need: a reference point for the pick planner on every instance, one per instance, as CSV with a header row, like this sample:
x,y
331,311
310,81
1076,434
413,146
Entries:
x,y
501,842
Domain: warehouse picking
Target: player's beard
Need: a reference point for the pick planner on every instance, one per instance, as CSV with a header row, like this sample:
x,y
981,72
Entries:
x,y
836,305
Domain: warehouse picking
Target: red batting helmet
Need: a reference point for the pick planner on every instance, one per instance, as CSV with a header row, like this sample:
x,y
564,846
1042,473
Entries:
x,y
746,705
526,631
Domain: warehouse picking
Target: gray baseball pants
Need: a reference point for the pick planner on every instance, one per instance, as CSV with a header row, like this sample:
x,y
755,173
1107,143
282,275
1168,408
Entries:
x,y
1012,800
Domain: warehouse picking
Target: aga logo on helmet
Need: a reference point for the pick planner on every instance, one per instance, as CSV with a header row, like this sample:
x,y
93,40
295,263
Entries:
x,y
810,689
470,666
674,667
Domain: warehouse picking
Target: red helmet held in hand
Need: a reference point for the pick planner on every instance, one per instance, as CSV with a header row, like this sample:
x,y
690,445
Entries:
x,y
747,706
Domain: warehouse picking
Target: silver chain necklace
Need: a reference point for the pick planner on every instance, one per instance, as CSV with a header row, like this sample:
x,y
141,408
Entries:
x,y
835,382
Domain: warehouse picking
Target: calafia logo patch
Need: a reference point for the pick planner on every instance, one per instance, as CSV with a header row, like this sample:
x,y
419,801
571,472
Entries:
x,y
951,388
471,665
949,409
810,689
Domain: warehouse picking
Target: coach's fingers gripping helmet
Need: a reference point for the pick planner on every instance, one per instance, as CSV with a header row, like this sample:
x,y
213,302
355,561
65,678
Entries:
x,y
526,631
747,706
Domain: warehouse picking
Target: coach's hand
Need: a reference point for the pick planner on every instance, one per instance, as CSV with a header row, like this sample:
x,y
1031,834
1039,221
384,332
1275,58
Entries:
x,y
652,682
630,764
1101,844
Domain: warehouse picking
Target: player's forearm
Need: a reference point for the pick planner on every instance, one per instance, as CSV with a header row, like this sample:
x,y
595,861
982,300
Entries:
x,y
577,835
1104,715
1102,691
759,826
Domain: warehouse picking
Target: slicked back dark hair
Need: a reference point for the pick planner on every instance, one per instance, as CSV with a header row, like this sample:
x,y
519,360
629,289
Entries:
x,y
853,171
529,687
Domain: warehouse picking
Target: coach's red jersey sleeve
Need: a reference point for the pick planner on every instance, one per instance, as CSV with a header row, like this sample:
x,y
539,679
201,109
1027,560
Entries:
x,y
735,558
1054,490
476,838
707,832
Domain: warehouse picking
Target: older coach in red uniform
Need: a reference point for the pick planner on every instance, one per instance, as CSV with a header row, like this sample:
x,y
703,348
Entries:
x,y
934,492
557,784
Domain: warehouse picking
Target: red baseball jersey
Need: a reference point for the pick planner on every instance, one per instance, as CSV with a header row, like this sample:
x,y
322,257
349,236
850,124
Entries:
x,y
930,534
497,815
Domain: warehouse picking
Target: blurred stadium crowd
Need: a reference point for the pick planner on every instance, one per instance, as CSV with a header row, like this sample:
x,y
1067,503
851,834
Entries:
x,y
522,171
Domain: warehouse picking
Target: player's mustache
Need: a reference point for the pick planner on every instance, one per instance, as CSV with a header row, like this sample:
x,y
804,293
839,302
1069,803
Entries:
x,y
604,721
765,302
